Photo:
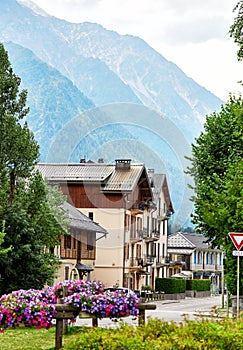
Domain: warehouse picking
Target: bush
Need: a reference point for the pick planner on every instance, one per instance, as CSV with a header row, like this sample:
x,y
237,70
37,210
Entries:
x,y
198,285
170,285
146,287
160,335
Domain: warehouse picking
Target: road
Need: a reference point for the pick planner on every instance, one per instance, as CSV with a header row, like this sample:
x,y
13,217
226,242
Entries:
x,y
170,310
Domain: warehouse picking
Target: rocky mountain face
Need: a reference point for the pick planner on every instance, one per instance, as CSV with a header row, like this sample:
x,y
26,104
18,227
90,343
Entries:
x,y
98,94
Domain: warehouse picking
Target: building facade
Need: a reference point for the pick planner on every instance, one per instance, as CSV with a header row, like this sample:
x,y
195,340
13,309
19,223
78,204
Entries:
x,y
192,256
121,198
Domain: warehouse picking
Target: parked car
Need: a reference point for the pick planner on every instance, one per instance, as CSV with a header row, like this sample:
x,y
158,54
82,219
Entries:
x,y
113,289
123,289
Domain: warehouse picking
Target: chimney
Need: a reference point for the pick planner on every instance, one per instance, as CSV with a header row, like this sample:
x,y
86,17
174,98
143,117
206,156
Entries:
x,y
123,164
82,160
101,160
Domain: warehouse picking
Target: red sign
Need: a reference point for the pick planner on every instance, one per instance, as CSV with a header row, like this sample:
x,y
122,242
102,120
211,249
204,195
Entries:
x,y
237,239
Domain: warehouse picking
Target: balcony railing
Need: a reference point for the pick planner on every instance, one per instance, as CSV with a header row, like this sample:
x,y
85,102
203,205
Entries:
x,y
148,260
161,261
137,208
151,236
137,235
136,262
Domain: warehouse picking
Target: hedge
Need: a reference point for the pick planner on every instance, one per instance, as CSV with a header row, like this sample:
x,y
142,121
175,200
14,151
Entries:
x,y
198,285
170,285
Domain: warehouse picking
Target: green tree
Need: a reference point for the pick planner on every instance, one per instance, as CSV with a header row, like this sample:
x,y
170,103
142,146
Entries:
x,y
2,235
19,151
29,208
236,30
217,168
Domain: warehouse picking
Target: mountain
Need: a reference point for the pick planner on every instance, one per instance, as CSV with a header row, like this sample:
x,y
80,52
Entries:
x,y
49,95
95,93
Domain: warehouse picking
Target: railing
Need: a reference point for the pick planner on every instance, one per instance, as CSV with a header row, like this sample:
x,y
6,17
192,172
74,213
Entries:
x,y
136,262
136,235
162,260
151,236
148,260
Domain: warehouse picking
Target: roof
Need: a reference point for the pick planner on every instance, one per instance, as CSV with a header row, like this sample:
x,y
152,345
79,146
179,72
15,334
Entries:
x,y
83,267
75,171
110,178
80,221
159,184
187,240
121,180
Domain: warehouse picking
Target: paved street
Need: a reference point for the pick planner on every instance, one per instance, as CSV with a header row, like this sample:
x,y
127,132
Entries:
x,y
169,310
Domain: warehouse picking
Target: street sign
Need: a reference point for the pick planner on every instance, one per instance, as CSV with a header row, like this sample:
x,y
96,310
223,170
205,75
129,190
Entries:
x,y
237,239
237,253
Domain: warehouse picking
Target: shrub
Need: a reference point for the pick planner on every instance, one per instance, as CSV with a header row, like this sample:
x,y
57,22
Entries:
x,y
170,285
199,285
160,335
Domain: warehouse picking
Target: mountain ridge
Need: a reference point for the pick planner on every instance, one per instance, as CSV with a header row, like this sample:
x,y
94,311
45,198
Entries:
x,y
83,77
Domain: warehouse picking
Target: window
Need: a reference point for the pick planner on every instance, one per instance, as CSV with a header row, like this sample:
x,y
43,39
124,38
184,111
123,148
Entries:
x,y
148,225
195,257
126,251
164,227
139,224
211,258
91,215
163,250
66,273
207,258
153,249
67,241
138,252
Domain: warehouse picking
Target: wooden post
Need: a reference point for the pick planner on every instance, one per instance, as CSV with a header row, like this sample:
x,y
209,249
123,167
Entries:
x,y
65,321
142,308
94,321
59,330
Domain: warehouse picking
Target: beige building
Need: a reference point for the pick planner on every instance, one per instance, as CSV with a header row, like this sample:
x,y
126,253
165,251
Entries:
x,y
77,251
192,256
120,198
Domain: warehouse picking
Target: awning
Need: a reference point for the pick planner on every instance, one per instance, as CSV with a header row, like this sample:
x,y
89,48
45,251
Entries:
x,y
83,267
141,272
180,251
182,275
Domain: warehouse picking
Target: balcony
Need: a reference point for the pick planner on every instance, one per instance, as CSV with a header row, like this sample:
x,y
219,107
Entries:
x,y
137,208
136,262
148,260
136,236
162,261
151,236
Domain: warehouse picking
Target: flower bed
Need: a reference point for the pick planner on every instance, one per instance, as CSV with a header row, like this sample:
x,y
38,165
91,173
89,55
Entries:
x,y
36,308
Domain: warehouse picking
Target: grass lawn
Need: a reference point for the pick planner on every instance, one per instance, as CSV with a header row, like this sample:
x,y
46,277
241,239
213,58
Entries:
x,y
27,339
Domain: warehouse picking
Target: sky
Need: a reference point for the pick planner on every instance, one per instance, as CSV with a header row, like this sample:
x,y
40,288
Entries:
x,y
193,34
